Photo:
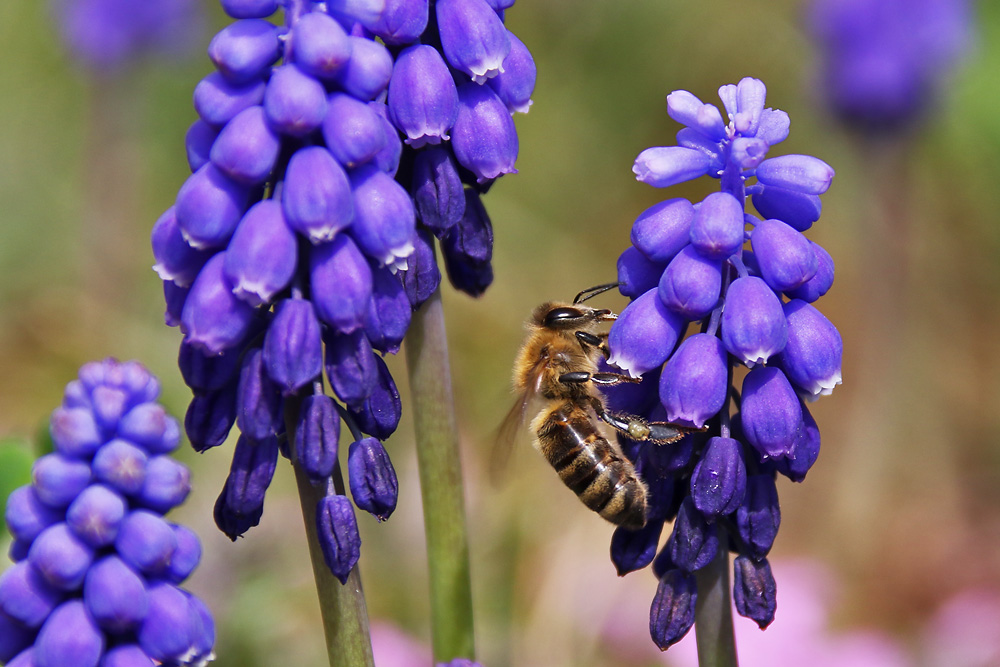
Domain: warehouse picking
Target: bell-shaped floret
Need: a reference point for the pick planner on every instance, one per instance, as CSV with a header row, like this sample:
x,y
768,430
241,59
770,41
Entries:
x,y
422,275
754,591
515,83
316,437
174,296
694,541
69,637
261,258
317,198
365,12
146,542
367,73
167,484
249,9
644,335
484,137
250,474
320,47
210,416
385,222
293,354
58,480
473,37
717,227
350,366
373,479
694,381
378,414
636,273
423,99
821,282
203,372
799,173
115,595
388,158
811,359
25,596
231,520
753,322
719,480
796,209
198,143
337,530
691,284
217,100
633,550
437,189
214,319
209,206
353,131
165,634
662,230
758,518
259,402
295,103
176,260
402,21
61,557
804,453
468,248
663,166
771,414
784,256
389,312
96,515
243,49
672,612
247,148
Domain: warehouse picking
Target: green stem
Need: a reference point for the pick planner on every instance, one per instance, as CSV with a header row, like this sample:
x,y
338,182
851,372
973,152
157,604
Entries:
x,y
342,606
713,618
440,483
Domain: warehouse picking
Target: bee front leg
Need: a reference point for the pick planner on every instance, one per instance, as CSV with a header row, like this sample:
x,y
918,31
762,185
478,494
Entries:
x,y
599,341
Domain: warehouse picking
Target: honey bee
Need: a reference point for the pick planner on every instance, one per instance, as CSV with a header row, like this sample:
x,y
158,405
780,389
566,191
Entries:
x,y
558,364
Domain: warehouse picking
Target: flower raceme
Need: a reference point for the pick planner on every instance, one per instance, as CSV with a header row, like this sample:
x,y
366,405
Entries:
x,y
328,154
753,307
97,566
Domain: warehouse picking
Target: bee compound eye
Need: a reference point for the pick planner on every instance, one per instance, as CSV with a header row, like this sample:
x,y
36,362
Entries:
x,y
559,316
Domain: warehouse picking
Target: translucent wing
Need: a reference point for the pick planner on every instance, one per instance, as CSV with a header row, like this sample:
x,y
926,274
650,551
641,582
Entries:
x,y
513,428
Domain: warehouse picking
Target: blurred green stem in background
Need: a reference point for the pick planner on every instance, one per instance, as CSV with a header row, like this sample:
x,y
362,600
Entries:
x,y
440,483
713,617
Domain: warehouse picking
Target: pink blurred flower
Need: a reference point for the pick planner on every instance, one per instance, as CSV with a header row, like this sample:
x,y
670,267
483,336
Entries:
x,y
965,631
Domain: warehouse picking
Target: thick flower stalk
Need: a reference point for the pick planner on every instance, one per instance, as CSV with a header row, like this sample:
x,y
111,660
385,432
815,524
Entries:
x,y
749,307
97,572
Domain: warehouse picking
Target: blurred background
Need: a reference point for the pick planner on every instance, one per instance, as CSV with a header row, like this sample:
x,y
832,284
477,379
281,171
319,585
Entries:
x,y
889,550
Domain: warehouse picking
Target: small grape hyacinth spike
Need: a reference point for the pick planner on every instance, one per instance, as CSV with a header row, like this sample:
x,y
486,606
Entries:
x,y
749,305
96,542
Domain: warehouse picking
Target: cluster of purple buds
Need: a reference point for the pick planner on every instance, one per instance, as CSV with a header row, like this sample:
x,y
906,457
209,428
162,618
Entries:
x,y
883,62
328,154
753,308
97,566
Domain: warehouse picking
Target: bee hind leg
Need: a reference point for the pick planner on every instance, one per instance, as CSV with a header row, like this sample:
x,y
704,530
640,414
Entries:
x,y
579,377
637,428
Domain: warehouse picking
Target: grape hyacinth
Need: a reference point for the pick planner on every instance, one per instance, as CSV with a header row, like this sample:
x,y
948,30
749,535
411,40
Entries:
x,y
753,307
329,153
98,568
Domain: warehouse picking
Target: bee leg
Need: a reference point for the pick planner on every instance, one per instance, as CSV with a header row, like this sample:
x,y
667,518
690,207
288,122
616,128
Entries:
x,y
579,377
638,428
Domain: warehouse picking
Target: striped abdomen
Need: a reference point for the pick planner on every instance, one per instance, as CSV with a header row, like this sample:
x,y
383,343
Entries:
x,y
588,464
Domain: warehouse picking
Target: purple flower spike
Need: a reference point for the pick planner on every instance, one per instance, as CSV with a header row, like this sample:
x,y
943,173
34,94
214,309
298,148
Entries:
x,y
384,219
379,413
210,416
58,480
165,632
115,595
754,590
672,612
61,557
693,542
691,284
694,382
402,21
758,518
295,103
27,516
320,46
317,435
389,312
337,529
209,206
423,99
250,474
484,137
719,480
819,284
785,257
688,110
146,542
753,323
633,550
717,227
437,189
422,275
798,173
69,637
25,596
473,37
259,401
317,196
353,130
246,148
293,354
771,414
249,9
664,166
798,210
217,101
804,453
242,50
662,230
214,319
636,273
812,357
516,82
96,515
372,477
342,283
175,259
350,366
261,257
644,335
368,71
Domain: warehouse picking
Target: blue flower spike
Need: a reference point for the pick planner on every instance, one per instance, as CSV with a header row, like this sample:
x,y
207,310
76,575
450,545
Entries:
x,y
716,285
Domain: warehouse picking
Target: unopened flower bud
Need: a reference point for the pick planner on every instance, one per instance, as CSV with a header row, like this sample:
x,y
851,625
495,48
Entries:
x,y
25,595
717,227
243,49
402,21
214,319
636,273
337,530
210,416
633,550
672,612
468,248
389,312
437,189
691,284
771,414
799,173
165,633
293,353
250,474
694,382
75,433
319,45
249,9
209,206
115,595
27,516
69,637
207,372
61,557
368,71
198,143
644,334
261,257
231,522
693,542
295,103
96,515
146,542
664,166
149,426
688,110
316,437
342,283
754,590
247,148
662,230
378,414
795,209
353,130
819,284
422,275
58,480
785,257
484,137
167,484
350,366
758,518
259,401
185,557
719,480
217,100
804,452
372,477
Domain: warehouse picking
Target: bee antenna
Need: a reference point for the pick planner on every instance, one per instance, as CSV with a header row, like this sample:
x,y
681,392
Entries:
x,y
594,291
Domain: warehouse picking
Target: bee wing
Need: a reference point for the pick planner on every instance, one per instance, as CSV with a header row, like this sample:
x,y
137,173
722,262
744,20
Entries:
x,y
513,427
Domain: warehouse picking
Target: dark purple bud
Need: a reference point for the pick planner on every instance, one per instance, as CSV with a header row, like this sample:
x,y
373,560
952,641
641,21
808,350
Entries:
x,y
206,372
174,297
250,474
58,480
341,282
293,354
758,518
25,596
820,283
316,437
317,196
423,99
14,637
337,530
379,413
167,484
388,158
249,9
667,460
210,416
175,259
694,541
811,359
473,37
353,130
691,284
247,147
214,319
121,465
373,479
799,173
389,312
259,401
61,557
694,382
644,335
115,595
261,257
753,323
785,257
796,209
384,218
198,143
672,612
146,542
754,590
368,71
515,83
243,49
217,100
805,452
771,414
186,556
69,637
661,231
165,632
209,206
96,515
127,655
26,515
664,166
636,273
231,522
319,45
402,21
422,275
468,248
717,227
350,366
75,432
688,110
483,137
719,480
633,550
294,102
437,189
